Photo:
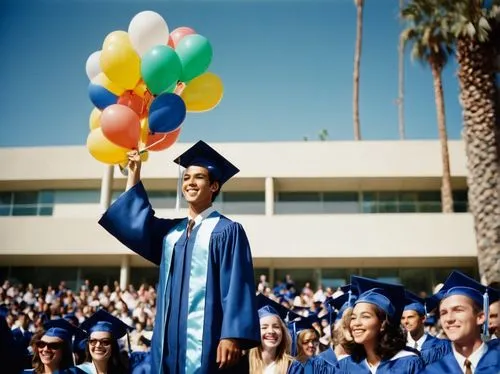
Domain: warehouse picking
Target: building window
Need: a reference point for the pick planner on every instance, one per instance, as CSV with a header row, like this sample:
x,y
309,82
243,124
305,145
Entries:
x,y
244,202
26,203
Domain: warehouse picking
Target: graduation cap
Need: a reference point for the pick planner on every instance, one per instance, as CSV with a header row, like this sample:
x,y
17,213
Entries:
x,y
414,302
387,296
458,283
493,294
60,328
71,318
105,322
201,154
267,307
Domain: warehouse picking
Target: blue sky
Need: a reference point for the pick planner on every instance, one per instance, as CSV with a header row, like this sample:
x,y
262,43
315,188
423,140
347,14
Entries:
x,y
286,67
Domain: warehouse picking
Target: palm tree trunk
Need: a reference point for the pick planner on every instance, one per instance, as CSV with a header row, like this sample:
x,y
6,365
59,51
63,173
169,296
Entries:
x,y
446,191
477,96
357,60
401,74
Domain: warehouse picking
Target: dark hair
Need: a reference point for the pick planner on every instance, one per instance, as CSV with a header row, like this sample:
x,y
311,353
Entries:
x,y
116,364
66,360
212,180
390,340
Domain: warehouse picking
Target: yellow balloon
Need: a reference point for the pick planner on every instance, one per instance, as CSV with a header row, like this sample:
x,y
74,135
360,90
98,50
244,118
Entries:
x,y
203,93
95,119
141,89
103,150
144,130
118,36
103,81
145,156
121,64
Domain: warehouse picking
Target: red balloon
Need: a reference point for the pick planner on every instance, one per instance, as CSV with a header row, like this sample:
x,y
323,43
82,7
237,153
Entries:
x,y
134,102
161,144
179,33
121,126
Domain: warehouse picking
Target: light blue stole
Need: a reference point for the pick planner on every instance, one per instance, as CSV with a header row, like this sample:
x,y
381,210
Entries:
x,y
197,284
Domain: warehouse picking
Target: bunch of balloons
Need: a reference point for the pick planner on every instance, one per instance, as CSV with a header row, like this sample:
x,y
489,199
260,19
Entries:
x,y
142,83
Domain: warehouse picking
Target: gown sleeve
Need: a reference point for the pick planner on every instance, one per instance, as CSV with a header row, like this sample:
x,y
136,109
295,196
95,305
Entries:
x,y
131,219
237,287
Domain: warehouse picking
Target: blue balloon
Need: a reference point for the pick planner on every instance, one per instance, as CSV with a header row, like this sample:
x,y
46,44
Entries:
x,y
101,97
166,113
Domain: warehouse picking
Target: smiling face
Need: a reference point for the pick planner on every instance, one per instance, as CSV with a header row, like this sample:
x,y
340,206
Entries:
x,y
308,341
461,319
196,186
100,345
270,332
412,322
365,325
50,350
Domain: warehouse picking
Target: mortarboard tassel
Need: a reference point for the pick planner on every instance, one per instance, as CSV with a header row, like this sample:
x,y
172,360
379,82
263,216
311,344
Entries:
x,y
179,188
486,309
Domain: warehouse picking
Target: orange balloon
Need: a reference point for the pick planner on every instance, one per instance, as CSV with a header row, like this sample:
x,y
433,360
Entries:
x,y
162,141
133,101
121,126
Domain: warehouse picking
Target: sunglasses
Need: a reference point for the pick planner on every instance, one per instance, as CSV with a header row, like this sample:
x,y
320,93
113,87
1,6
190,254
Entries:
x,y
103,342
52,346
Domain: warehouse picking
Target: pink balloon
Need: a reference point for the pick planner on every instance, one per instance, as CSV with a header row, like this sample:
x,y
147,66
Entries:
x,y
121,126
179,33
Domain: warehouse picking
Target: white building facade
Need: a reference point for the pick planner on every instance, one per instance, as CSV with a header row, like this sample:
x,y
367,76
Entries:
x,y
318,211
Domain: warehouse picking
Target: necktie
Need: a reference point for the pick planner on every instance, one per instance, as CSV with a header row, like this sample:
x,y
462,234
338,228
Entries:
x,y
468,367
189,227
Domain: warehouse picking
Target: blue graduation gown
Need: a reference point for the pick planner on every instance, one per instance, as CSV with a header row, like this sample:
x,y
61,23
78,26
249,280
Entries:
x,y
213,286
488,364
329,356
71,370
412,364
315,365
434,349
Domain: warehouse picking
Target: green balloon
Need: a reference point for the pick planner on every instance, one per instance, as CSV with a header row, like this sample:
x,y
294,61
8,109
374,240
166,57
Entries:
x,y
195,53
160,68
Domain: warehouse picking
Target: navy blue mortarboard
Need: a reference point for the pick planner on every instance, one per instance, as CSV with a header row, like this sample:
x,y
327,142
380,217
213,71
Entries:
x,y
60,328
70,317
201,154
458,283
430,320
493,294
414,302
388,297
267,307
104,322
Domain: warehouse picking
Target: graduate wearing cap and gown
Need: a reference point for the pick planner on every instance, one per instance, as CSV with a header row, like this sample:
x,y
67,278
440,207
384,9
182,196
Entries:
x,y
206,309
340,303
413,318
462,302
375,326
103,331
273,354
53,351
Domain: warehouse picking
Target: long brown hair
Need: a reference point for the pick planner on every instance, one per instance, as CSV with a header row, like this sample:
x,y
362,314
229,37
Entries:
x,y
36,362
283,357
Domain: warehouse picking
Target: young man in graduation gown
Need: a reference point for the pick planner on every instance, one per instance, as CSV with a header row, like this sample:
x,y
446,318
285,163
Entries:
x,y
206,308
462,303
413,319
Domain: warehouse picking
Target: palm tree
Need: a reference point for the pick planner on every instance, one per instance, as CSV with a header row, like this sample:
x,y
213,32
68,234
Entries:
x,y
357,60
477,34
401,75
432,46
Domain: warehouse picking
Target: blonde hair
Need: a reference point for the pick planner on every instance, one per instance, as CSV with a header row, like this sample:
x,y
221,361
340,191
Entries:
x,y
301,355
283,357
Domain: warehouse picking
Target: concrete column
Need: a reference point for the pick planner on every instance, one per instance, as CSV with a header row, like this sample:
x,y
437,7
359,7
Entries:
x,y
125,272
106,188
269,196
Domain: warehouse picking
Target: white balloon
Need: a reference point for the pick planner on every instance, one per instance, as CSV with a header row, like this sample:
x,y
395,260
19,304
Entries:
x,y
93,67
147,30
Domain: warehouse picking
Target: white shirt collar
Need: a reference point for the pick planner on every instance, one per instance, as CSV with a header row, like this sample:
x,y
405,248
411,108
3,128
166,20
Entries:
x,y
411,343
473,358
200,217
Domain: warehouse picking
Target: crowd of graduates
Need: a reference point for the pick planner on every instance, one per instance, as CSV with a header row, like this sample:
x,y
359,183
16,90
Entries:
x,y
367,326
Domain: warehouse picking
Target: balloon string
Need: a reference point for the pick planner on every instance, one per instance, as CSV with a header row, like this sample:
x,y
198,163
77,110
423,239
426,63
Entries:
x,y
152,145
124,164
